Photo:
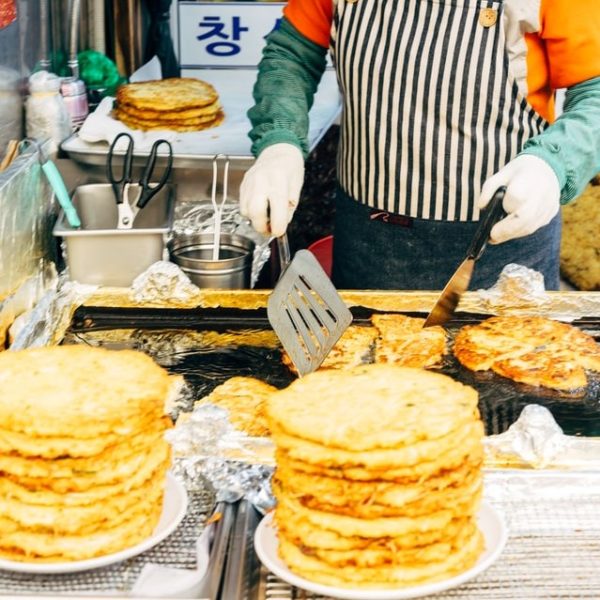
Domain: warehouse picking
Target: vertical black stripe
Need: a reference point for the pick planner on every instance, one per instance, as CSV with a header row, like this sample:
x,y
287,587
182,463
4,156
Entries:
x,y
436,151
365,66
405,65
455,95
437,44
392,203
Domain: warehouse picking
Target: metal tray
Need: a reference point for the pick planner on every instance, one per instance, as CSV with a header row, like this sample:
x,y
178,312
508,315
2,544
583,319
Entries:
x,y
101,254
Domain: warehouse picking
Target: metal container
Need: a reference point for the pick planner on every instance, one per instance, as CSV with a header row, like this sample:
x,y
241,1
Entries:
x,y
193,254
99,253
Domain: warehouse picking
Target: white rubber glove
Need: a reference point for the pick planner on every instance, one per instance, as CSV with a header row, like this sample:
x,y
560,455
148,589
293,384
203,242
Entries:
x,y
270,190
532,197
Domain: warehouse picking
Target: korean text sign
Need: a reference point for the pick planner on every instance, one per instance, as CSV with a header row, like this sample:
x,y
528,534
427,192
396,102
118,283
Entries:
x,y
225,34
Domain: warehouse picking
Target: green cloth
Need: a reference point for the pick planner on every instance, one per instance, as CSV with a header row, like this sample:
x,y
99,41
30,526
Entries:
x,y
288,76
571,145
292,66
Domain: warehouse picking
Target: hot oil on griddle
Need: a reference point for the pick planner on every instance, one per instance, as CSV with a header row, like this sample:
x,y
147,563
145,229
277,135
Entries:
x,y
206,365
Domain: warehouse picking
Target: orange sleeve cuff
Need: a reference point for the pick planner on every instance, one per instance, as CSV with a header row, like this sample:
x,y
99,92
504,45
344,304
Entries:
x,y
571,33
312,18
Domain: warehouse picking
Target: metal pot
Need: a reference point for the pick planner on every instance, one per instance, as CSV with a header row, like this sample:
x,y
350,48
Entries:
x,y
233,269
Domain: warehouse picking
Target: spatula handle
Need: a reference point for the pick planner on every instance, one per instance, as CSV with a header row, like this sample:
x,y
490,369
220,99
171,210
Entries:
x,y
492,213
283,247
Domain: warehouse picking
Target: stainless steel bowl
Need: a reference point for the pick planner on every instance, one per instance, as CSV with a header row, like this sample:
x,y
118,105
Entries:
x,y
233,269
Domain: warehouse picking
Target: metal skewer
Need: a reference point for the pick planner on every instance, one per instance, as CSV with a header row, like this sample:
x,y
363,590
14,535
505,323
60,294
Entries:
x,y
218,208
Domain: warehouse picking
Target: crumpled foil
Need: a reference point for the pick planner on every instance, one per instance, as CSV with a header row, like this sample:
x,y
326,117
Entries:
x,y
43,325
536,441
161,282
198,217
517,287
205,447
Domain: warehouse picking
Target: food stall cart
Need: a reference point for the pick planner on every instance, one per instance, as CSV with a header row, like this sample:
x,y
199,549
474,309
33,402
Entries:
x,y
546,486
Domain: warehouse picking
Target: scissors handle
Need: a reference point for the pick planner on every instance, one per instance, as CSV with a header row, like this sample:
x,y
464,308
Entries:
x,y
118,184
147,175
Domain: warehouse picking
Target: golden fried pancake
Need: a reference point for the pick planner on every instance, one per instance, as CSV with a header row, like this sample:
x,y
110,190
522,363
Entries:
x,y
59,447
245,399
347,409
377,556
347,495
459,559
187,125
532,350
79,391
371,528
146,114
459,500
172,94
381,458
403,341
471,451
67,477
15,488
303,533
32,546
80,519
351,350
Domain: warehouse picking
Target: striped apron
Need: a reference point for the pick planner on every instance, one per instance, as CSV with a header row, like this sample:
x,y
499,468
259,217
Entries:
x,y
431,110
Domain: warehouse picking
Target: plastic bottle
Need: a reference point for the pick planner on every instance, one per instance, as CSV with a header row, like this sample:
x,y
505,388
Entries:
x,y
46,113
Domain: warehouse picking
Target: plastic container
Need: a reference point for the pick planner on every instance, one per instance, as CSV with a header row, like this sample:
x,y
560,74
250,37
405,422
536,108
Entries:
x,y
233,269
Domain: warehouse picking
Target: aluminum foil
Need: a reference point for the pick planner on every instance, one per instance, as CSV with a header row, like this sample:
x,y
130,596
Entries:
x,y
536,441
207,448
517,287
50,317
198,217
163,281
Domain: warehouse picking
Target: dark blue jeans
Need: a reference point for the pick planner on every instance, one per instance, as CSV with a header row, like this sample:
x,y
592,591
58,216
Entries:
x,y
375,251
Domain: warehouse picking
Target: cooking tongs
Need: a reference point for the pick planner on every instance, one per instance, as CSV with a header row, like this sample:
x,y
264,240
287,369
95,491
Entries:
x,y
459,282
128,209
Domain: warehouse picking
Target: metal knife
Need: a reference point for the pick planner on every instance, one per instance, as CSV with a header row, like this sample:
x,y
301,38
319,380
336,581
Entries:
x,y
459,282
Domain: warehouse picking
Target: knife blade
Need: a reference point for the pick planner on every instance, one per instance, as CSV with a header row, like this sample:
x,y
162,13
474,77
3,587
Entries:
x,y
459,282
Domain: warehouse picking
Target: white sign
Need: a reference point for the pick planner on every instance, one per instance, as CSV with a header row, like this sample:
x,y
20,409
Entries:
x,y
224,34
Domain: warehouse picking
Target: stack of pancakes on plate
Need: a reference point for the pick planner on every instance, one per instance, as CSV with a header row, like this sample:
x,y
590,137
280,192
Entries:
x,y
378,477
83,457
177,104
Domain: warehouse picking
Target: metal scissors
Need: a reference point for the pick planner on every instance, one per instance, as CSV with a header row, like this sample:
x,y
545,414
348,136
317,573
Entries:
x,y
128,210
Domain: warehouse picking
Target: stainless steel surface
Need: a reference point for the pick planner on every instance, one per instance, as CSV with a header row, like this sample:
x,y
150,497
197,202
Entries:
x,y
242,571
194,255
306,312
218,206
459,282
451,294
218,551
283,247
99,253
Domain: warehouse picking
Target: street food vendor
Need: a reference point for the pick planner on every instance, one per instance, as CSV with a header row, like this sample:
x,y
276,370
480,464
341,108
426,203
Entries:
x,y
444,101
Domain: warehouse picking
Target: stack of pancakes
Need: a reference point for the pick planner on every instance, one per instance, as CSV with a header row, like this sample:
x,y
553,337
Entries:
x,y
82,451
378,476
177,104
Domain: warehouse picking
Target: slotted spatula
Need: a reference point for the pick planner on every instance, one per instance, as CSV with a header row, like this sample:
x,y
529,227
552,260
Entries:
x,y
305,310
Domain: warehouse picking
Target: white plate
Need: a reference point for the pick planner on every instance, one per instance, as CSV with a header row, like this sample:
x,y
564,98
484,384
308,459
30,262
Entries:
x,y
174,509
490,523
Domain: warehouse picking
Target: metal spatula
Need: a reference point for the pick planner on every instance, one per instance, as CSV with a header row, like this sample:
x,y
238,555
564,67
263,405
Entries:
x,y
459,282
305,310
